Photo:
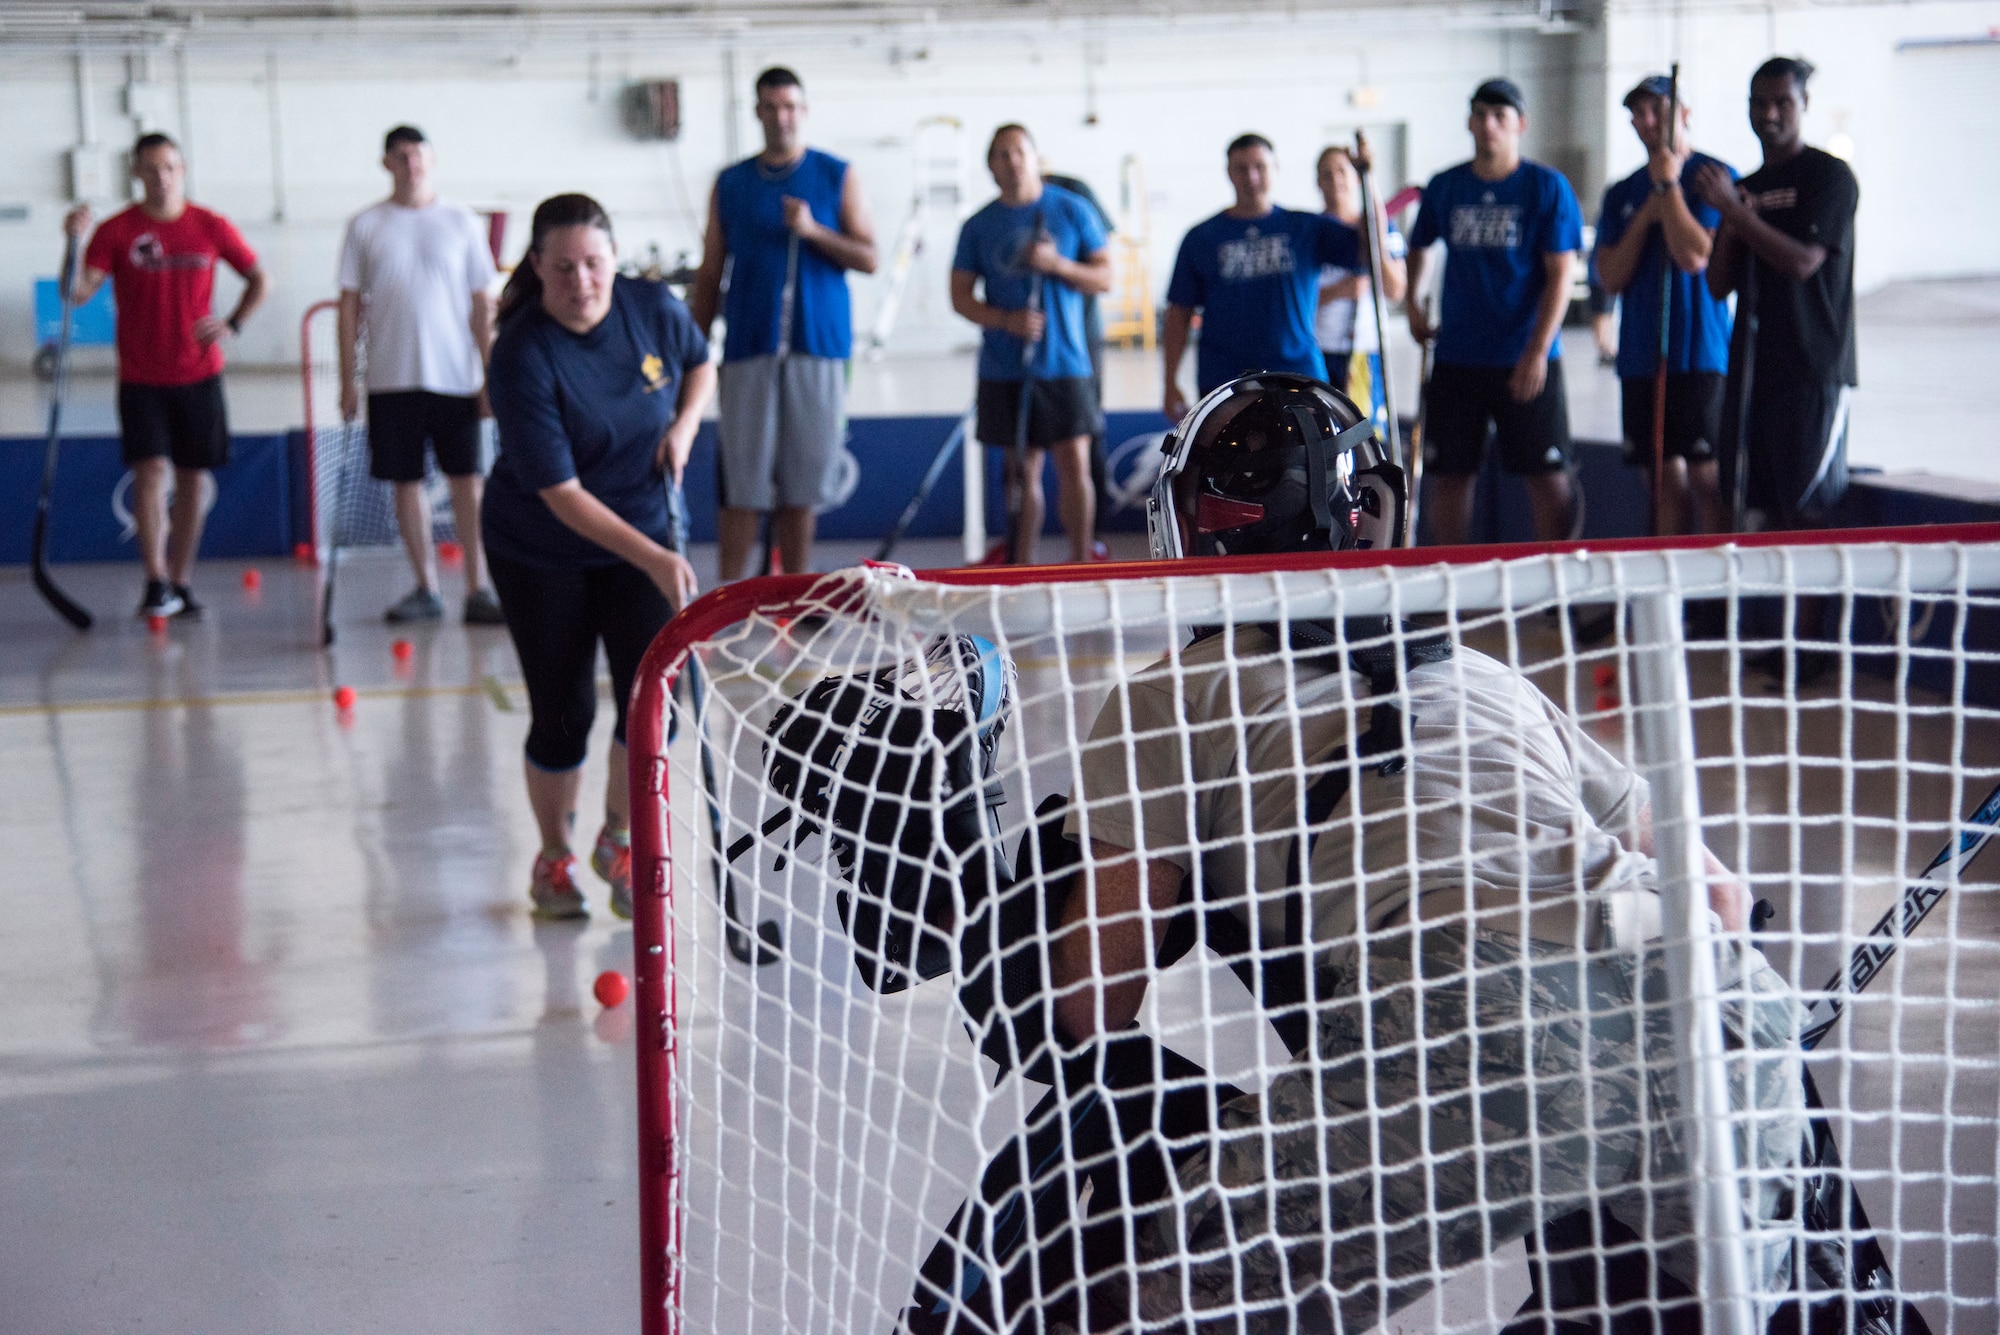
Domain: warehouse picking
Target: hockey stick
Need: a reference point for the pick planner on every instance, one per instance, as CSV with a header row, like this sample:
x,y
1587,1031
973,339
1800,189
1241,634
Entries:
x,y
771,941
787,304
68,608
1746,384
909,516
1660,524
1919,898
1378,237
1017,492
1415,467
344,483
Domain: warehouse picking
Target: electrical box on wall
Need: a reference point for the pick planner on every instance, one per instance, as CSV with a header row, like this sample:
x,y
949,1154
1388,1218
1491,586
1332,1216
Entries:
x,y
653,109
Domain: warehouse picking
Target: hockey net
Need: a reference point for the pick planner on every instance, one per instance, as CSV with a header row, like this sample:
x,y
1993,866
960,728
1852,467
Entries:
x,y
868,1098
347,507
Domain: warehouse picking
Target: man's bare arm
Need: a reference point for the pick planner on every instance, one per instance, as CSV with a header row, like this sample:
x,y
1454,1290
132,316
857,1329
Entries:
x,y
1688,241
705,294
483,309
1100,956
852,244
1173,348
1617,262
1021,323
1421,328
347,333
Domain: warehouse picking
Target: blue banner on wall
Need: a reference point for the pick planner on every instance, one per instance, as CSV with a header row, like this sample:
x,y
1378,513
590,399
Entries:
x,y
90,516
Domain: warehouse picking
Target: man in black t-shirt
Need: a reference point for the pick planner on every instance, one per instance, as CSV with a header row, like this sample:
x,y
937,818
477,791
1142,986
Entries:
x,y
1786,247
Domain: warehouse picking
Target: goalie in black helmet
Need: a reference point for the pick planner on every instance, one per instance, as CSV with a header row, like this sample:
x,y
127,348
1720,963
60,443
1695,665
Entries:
x,y
1439,891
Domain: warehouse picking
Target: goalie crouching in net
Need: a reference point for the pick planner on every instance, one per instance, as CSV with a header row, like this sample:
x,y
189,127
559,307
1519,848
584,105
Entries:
x,y
1443,898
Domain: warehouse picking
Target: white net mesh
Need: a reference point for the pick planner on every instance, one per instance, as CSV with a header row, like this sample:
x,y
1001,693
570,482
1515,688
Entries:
x,y
1385,981
350,508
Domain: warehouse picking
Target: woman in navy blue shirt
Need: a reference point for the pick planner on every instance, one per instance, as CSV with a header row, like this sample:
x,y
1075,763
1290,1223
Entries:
x,y
598,384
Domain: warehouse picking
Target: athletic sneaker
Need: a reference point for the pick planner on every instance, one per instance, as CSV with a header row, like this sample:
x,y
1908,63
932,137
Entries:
x,y
419,604
553,889
191,608
612,860
483,609
159,600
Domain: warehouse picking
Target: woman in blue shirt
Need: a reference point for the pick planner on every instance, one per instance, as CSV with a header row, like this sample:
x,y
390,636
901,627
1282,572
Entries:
x,y
598,384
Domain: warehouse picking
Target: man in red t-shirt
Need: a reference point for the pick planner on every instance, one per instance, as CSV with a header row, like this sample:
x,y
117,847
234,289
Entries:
x,y
160,256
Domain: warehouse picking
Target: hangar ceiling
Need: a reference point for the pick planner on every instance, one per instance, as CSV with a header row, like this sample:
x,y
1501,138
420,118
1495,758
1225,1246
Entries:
x,y
220,24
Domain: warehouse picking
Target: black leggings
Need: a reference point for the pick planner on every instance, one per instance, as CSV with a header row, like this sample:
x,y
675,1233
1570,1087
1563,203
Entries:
x,y
556,618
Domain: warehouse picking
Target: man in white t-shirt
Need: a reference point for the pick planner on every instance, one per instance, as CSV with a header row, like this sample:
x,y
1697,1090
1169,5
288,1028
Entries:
x,y
1468,908
415,273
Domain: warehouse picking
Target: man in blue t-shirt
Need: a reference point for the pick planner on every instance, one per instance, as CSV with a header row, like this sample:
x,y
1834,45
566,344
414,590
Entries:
x,y
1253,273
787,225
1652,206
1511,229
1024,266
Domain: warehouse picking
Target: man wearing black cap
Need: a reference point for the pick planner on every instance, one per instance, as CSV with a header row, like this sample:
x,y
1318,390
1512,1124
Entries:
x,y
1512,229
1648,210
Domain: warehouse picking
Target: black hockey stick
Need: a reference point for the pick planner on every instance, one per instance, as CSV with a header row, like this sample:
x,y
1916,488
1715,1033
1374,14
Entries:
x,y
1017,457
68,608
1746,385
1919,898
923,493
1666,327
771,941
341,486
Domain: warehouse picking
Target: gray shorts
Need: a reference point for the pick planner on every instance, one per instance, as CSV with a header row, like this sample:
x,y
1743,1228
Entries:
x,y
778,441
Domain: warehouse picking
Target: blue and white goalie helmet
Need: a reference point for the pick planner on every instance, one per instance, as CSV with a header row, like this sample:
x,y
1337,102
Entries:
x,y
1275,462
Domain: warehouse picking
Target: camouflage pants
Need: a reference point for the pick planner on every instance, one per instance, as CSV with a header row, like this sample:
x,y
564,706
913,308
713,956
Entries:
x,y
1451,1110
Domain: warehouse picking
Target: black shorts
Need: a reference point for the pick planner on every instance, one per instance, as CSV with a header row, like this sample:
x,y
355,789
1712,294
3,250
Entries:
x,y
1694,416
1057,410
1797,473
186,423
399,423
1462,401
556,618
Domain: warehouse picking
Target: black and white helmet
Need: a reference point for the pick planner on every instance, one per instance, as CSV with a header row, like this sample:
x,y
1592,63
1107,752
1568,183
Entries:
x,y
1275,462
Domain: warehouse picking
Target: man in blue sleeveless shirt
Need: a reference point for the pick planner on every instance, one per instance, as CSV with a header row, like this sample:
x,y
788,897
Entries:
x,y
1512,228
1653,206
786,225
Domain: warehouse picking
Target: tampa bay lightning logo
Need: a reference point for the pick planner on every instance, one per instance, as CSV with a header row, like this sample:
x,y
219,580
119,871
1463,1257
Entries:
x,y
1130,470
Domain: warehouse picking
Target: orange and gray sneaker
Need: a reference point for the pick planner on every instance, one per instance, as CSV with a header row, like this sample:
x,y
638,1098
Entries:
x,y
612,860
553,888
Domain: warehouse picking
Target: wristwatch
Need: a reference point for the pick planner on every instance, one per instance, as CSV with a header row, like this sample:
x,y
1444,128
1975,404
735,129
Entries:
x,y
235,325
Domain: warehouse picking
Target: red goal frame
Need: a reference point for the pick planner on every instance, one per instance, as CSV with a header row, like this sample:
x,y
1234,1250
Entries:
x,y
661,1209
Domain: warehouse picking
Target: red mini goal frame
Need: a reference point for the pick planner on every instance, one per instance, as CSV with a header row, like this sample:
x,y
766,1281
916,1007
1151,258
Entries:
x,y
661,1207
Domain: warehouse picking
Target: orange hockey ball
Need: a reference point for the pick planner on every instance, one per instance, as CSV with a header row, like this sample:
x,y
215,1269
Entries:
x,y
610,988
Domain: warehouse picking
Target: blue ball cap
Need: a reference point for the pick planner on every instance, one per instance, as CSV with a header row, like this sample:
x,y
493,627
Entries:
x,y
1653,85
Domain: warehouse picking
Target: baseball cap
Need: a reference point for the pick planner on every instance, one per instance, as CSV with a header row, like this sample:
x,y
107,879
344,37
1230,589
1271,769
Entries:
x,y
1653,85
1500,93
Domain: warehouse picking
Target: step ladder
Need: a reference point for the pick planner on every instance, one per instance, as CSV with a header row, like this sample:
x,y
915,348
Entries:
x,y
941,185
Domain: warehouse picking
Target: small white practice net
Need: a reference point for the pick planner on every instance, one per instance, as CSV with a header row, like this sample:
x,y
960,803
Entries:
x,y
1364,968
350,508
